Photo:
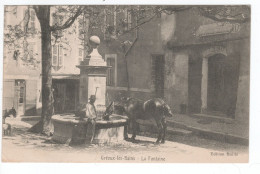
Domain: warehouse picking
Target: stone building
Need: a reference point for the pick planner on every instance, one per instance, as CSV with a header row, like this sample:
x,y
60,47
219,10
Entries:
x,y
198,65
215,59
22,73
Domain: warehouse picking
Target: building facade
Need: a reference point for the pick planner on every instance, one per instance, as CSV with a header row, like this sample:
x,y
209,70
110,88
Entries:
x,y
22,63
215,59
197,65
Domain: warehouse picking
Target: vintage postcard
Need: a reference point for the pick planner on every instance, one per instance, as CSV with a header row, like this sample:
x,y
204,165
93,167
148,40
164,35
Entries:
x,y
126,83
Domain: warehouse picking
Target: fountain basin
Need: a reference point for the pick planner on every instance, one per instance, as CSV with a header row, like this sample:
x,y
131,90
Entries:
x,y
71,129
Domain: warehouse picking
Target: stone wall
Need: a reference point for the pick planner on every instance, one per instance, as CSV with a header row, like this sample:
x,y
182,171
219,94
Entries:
x,y
176,80
242,106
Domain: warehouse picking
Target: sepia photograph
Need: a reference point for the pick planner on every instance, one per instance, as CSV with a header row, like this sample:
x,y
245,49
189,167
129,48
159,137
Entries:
x,y
126,83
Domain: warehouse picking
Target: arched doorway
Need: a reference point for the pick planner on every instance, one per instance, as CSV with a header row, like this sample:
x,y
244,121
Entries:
x,y
222,85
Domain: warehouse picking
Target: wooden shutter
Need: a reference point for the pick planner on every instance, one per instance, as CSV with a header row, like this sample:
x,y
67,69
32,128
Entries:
x,y
54,55
129,19
111,72
60,55
30,50
26,18
32,20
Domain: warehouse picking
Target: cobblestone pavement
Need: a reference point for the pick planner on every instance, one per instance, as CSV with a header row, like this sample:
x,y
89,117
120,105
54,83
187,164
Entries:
x,y
26,146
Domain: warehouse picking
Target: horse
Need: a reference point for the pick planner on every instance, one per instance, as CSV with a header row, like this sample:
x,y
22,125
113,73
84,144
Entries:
x,y
155,109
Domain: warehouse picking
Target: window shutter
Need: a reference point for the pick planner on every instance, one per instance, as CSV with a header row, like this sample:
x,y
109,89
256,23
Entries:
x,y
111,72
115,18
54,55
110,17
32,20
30,50
129,19
125,19
60,55
26,18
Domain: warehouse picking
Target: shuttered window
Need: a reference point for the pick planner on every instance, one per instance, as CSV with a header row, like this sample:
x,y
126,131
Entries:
x,y
60,55
112,72
110,21
128,19
32,19
54,55
31,51
80,55
57,55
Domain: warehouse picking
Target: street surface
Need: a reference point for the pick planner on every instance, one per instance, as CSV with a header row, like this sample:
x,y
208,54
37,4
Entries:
x,y
28,147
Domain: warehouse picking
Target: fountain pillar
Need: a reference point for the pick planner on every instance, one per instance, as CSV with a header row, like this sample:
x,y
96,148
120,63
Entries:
x,y
68,128
93,71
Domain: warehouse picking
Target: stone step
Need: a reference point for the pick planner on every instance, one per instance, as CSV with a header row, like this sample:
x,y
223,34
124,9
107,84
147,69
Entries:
x,y
178,131
211,117
29,118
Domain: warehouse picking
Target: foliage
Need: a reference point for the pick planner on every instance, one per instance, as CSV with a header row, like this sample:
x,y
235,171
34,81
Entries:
x,y
16,36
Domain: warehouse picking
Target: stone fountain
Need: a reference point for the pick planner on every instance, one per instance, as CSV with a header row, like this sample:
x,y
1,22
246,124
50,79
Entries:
x,y
71,129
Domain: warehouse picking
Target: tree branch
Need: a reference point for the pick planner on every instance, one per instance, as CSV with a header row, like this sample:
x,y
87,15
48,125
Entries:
x,y
69,22
166,9
233,19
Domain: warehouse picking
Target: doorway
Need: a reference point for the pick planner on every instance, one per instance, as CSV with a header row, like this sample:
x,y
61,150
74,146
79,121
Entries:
x,y
65,95
222,85
158,64
20,89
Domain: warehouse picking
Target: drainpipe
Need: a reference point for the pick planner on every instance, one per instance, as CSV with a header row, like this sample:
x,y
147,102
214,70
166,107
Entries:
x,y
125,56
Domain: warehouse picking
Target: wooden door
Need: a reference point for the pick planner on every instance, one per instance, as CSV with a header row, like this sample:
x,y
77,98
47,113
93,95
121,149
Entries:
x,y
222,84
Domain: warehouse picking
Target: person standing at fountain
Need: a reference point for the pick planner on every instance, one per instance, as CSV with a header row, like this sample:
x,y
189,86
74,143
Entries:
x,y
91,115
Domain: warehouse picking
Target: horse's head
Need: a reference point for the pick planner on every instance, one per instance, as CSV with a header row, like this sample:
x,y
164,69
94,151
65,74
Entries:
x,y
119,108
167,111
114,107
109,111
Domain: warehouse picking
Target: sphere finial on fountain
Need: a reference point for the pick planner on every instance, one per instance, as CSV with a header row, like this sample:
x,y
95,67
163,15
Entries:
x,y
94,41
95,58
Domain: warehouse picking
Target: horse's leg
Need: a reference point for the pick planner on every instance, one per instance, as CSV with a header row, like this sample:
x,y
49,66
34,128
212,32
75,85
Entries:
x,y
134,127
160,129
126,131
164,124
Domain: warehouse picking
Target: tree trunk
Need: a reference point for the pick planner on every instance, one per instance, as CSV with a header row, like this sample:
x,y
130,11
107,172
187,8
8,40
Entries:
x,y
44,126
